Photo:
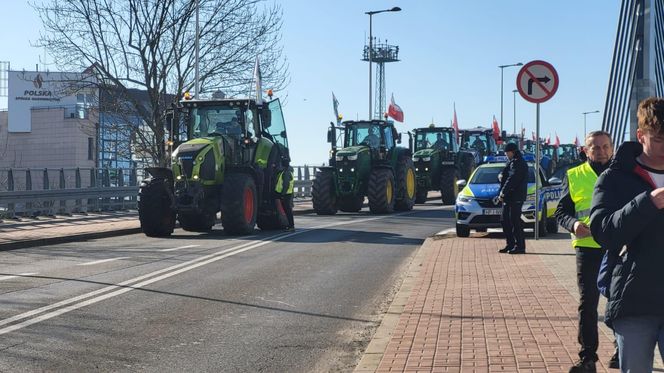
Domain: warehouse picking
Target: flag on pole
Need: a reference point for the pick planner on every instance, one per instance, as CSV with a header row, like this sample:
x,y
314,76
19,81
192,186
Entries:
x,y
557,143
496,130
576,140
455,124
257,79
548,140
395,111
534,137
335,105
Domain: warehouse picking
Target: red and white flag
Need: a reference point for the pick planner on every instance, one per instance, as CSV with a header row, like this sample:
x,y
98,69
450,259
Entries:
x,y
557,143
547,141
576,140
496,130
395,111
534,137
455,124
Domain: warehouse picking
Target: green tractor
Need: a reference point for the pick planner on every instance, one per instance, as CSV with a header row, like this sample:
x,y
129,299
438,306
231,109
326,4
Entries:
x,y
439,163
369,164
229,164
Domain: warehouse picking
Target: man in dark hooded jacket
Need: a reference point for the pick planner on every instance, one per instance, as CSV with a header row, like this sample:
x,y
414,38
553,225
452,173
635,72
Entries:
x,y
627,218
513,192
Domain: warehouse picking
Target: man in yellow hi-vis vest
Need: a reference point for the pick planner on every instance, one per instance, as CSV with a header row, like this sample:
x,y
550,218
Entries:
x,y
573,214
284,189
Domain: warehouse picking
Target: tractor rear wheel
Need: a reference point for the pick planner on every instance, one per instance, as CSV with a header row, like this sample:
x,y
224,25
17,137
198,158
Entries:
x,y
421,195
154,208
406,185
448,185
381,191
239,205
323,193
351,203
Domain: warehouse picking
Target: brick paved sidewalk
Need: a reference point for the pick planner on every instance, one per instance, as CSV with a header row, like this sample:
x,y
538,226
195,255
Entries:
x,y
468,308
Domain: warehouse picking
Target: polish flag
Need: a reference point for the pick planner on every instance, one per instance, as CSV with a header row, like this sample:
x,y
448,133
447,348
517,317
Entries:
x,y
576,141
548,140
534,137
395,111
557,143
496,130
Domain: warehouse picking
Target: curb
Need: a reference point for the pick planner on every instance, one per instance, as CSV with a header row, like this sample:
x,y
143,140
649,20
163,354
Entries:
x,y
66,239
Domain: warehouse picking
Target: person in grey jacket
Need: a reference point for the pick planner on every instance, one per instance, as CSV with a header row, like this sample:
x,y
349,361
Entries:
x,y
627,218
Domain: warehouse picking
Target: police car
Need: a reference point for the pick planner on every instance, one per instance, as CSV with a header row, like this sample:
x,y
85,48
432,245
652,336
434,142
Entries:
x,y
477,206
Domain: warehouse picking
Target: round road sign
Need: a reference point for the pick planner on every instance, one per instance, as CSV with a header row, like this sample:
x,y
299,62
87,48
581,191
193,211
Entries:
x,y
537,81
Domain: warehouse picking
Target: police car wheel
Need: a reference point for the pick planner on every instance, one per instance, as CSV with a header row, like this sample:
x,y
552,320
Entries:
x,y
462,230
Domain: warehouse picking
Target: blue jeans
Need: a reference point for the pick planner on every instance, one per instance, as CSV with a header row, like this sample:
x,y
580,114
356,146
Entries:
x,y
636,338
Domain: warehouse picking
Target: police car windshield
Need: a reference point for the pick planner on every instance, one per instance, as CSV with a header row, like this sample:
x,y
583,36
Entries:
x,y
489,175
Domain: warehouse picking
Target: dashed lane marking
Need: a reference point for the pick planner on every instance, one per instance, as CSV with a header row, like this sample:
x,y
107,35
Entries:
x,y
102,261
181,247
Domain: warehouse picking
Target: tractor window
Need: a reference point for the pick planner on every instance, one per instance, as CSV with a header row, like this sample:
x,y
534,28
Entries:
x,y
477,142
215,120
362,133
387,134
277,128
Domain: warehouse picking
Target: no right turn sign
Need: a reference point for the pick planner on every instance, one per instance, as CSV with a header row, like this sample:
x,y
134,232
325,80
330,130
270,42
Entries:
x,y
537,81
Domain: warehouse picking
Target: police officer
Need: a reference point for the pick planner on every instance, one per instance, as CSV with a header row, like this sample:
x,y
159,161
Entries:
x,y
513,191
573,214
284,190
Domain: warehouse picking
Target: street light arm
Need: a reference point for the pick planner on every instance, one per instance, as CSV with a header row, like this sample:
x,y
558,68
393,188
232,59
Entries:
x,y
372,12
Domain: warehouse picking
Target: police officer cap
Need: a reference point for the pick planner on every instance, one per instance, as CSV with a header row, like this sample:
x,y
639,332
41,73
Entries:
x,y
511,147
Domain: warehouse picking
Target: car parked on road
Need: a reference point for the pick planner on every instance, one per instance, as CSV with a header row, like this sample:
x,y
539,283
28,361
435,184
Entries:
x,y
477,206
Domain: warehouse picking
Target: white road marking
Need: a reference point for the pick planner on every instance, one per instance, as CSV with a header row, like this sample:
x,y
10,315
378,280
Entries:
x,y
102,261
15,276
181,247
446,231
141,281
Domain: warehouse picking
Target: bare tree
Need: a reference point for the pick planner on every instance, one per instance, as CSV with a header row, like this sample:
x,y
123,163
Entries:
x,y
150,45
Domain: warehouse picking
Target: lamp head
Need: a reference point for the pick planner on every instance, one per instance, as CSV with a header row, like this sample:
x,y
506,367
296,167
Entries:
x,y
395,9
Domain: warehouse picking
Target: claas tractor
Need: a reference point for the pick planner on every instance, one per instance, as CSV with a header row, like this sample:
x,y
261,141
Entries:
x,y
370,164
228,165
439,163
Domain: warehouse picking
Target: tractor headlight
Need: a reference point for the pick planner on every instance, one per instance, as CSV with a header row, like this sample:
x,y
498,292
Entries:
x,y
341,170
179,177
352,169
195,177
426,168
417,169
352,157
339,158
426,159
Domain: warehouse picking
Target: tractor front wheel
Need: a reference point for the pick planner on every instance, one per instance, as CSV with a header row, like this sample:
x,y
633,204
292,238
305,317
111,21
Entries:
x,y
406,185
239,204
448,185
323,194
381,191
196,222
351,203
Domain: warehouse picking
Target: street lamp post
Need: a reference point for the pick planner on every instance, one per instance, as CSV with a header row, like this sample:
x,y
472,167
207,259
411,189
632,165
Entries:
x,y
514,91
371,13
584,120
502,67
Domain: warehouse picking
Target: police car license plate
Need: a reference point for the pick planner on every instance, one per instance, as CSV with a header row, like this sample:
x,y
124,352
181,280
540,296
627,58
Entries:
x,y
493,211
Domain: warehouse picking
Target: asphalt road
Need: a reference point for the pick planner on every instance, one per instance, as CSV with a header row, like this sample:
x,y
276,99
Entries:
x,y
306,301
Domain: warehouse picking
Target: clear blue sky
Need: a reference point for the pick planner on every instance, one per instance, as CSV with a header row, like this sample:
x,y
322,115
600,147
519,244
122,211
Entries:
x,y
449,51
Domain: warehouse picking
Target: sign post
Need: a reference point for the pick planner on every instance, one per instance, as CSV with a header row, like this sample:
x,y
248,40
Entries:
x,y
537,82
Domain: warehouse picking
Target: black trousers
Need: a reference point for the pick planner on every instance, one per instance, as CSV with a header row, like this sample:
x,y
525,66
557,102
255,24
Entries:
x,y
287,203
588,261
512,225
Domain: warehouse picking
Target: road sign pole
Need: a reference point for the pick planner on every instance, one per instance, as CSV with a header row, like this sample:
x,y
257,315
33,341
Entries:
x,y
537,170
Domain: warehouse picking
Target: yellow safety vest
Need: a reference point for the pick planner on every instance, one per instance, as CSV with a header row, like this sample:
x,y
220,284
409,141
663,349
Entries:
x,y
280,183
582,180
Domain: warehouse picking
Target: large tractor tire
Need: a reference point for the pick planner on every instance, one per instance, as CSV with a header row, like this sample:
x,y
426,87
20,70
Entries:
x,y
154,208
448,185
350,203
421,195
466,165
274,217
239,204
406,185
323,193
196,222
381,191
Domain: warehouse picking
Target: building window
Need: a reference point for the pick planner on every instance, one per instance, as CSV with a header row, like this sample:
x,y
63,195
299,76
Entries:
x,y
90,148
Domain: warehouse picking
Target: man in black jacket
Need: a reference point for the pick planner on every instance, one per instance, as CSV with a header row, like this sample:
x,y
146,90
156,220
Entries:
x,y
513,191
627,211
573,214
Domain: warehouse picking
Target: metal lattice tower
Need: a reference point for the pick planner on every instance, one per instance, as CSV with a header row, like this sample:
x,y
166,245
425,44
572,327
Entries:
x,y
637,69
382,53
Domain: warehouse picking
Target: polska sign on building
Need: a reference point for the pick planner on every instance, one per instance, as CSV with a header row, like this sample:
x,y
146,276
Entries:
x,y
39,89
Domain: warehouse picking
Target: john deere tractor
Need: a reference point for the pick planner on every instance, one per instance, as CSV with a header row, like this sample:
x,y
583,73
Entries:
x,y
228,165
439,163
369,164
480,141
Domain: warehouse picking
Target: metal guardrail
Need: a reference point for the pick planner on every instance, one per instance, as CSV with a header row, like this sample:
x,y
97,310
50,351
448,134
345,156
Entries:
x,y
110,197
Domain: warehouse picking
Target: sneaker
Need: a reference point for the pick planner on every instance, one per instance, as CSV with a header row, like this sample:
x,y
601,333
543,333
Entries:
x,y
583,366
517,251
505,249
290,229
614,362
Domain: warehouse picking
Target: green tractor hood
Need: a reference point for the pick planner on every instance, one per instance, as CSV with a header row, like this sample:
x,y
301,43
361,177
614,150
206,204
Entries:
x,y
199,160
352,150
